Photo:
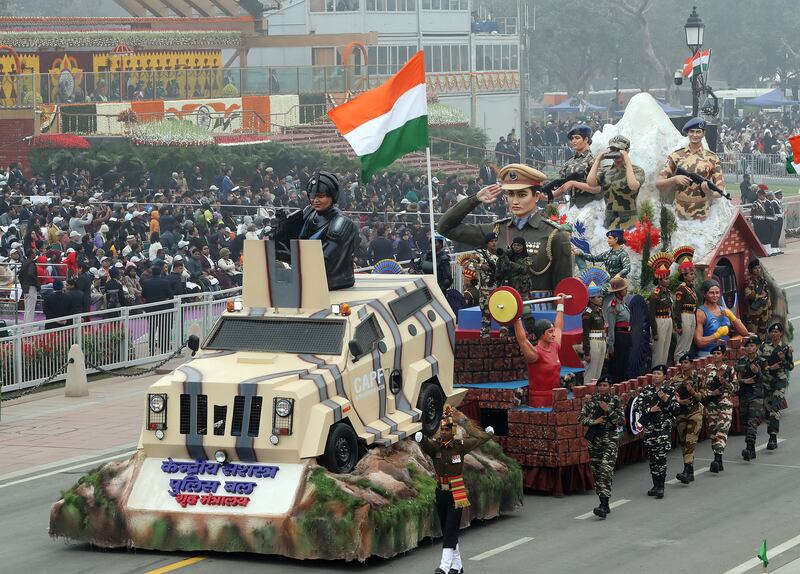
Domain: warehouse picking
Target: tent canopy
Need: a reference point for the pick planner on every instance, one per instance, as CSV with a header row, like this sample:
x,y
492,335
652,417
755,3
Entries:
x,y
573,105
668,109
773,99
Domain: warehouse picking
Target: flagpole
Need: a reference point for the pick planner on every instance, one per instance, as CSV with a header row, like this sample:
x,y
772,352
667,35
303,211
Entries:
x,y
430,211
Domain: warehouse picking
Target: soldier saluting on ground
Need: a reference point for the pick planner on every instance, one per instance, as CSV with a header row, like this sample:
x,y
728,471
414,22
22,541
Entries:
x,y
447,455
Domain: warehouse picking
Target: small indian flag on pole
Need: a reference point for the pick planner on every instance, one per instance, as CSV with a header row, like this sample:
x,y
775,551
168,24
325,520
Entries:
x,y
389,121
762,554
696,64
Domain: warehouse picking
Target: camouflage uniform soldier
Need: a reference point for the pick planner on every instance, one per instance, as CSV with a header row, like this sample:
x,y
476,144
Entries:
x,y
447,455
657,408
580,138
689,391
779,360
548,245
620,183
615,260
691,199
759,305
514,268
602,414
750,372
719,388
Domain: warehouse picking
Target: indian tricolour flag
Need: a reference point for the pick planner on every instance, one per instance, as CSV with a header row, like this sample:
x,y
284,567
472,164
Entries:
x,y
389,121
696,64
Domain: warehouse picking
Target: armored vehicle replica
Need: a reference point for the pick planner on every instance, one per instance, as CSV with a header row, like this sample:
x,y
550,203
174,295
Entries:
x,y
294,372
253,444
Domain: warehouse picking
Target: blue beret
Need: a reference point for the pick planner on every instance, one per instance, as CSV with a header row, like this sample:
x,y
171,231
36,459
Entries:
x,y
694,123
685,357
618,234
660,369
489,237
438,237
580,129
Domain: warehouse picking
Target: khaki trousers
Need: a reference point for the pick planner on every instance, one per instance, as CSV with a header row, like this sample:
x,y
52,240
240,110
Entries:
x,y
689,322
594,368
661,347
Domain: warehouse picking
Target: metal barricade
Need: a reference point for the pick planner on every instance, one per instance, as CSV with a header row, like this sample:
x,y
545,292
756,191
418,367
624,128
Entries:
x,y
113,338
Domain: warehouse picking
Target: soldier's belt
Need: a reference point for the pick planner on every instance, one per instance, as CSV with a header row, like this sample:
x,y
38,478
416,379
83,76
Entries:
x,y
597,335
689,309
623,327
663,316
759,217
771,218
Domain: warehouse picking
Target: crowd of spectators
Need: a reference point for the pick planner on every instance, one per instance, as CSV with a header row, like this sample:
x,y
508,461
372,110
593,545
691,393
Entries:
x,y
106,237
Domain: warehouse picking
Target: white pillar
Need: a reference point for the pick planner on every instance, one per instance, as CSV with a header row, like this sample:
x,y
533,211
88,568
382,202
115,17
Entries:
x,y
77,385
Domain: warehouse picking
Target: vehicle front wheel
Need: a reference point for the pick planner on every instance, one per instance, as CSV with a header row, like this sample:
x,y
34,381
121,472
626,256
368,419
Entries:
x,y
341,450
431,403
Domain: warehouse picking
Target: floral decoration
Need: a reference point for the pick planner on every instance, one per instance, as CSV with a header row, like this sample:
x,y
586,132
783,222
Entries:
x,y
170,133
444,115
635,238
60,141
127,116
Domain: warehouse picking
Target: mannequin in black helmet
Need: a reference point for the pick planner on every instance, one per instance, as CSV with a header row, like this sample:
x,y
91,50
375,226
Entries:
x,y
322,220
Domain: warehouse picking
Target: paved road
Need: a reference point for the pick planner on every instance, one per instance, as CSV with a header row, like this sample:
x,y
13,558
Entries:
x,y
712,526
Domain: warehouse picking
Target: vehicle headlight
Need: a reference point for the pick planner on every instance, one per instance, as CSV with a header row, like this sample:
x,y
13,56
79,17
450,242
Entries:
x,y
157,403
283,407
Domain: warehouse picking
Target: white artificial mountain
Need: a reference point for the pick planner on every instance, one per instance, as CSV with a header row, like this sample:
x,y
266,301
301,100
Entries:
x,y
653,138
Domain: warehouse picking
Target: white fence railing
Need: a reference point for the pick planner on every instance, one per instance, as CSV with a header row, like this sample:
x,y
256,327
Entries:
x,y
111,339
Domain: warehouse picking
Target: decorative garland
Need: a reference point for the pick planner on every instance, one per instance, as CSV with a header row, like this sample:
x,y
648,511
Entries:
x,y
140,39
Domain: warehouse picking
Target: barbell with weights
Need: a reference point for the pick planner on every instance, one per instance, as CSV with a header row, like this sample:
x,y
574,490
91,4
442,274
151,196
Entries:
x,y
506,304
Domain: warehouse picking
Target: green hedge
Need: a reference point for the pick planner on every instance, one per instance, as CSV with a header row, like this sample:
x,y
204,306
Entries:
x,y
162,161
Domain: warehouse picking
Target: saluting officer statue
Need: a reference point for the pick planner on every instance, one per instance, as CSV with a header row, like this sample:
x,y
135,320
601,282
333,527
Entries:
x,y
547,244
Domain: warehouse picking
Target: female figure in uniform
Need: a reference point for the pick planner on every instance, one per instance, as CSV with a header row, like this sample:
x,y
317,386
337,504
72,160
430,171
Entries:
x,y
685,301
447,455
689,390
618,318
657,409
544,366
778,362
660,308
594,335
616,259
580,192
719,388
714,323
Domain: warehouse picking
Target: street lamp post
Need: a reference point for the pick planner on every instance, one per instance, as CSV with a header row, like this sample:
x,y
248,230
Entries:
x,y
695,29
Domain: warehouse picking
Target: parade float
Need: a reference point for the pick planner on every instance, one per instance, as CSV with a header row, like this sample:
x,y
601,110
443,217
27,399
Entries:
x,y
547,441
290,430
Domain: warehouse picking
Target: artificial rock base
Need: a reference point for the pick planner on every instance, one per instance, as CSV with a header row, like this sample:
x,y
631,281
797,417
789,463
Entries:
x,y
383,508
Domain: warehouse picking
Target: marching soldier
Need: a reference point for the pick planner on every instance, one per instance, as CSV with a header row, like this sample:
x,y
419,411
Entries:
x,y
758,215
689,391
660,305
602,414
594,335
580,192
719,389
778,361
759,304
620,183
657,408
616,260
692,200
447,455
750,372
686,301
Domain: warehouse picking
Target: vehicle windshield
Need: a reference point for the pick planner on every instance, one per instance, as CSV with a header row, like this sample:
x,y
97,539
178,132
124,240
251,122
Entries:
x,y
278,335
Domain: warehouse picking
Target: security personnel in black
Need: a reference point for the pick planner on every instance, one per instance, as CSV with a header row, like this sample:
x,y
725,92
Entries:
x,y
657,408
322,220
447,455
547,244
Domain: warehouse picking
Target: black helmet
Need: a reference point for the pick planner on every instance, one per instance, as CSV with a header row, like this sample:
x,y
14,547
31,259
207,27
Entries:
x,y
323,182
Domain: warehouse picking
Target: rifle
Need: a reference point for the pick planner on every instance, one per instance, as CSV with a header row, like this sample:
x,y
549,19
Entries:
x,y
548,188
699,179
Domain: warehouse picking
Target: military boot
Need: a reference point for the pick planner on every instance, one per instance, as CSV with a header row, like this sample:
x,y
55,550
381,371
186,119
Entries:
x,y
600,510
691,473
684,476
660,488
604,502
721,466
749,451
653,491
715,464
772,444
